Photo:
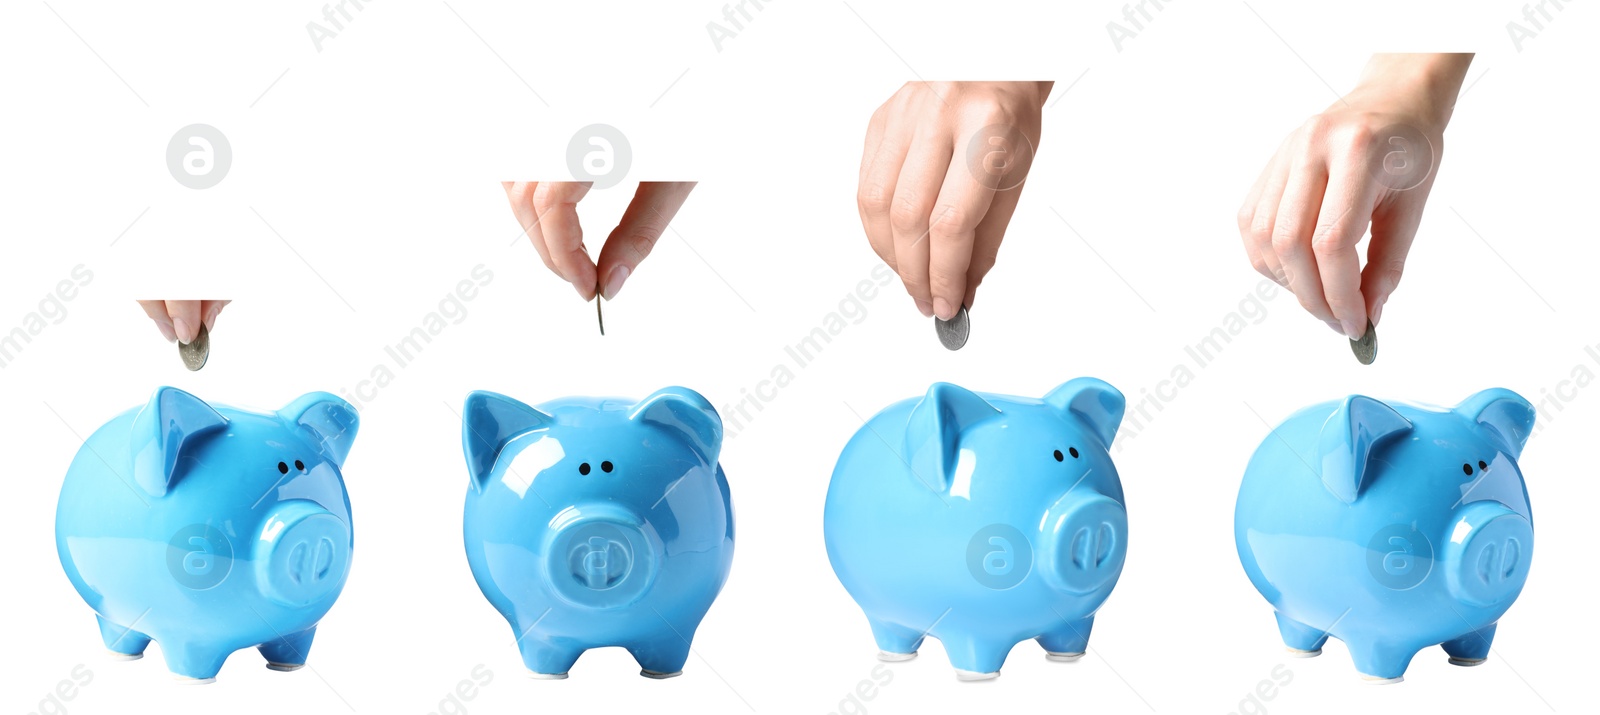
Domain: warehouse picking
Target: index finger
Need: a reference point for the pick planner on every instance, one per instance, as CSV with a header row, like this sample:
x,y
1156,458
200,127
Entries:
x,y
557,203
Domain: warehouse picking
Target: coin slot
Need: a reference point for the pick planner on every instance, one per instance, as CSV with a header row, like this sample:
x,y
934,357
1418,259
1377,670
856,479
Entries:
x,y
584,469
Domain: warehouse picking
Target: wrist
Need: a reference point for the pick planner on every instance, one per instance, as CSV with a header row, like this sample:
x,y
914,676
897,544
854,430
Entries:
x,y
1423,86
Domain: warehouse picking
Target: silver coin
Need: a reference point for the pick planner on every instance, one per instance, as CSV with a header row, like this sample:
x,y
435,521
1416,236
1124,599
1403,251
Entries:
x,y
194,353
598,312
1366,349
953,332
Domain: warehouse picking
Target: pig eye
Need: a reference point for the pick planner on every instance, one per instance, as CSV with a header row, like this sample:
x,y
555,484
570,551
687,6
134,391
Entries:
x,y
283,468
1467,468
1073,451
584,469
605,467
1058,456
299,465
1481,465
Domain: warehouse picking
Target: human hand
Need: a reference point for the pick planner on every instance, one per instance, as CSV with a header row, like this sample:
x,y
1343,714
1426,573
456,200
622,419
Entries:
x,y
941,173
548,213
180,320
1370,158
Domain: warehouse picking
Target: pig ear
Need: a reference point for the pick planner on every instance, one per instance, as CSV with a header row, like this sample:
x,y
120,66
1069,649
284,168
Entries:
x,y
1348,440
489,423
687,413
165,430
1094,402
933,431
1503,412
331,423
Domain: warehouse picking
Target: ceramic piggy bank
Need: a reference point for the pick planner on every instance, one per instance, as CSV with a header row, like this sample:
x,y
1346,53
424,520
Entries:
x,y
981,520
1392,527
598,522
209,529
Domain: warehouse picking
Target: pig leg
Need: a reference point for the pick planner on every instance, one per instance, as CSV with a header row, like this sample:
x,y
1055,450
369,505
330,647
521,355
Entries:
x,y
1381,662
1067,643
124,643
289,652
895,642
1302,640
1470,649
662,656
974,658
545,661
197,662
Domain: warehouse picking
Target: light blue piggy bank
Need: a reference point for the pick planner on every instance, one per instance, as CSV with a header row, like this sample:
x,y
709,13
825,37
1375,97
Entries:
x,y
981,520
598,522
209,529
1392,527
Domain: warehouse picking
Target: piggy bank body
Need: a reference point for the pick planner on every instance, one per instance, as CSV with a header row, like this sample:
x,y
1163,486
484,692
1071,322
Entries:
x,y
1392,527
981,520
209,529
598,522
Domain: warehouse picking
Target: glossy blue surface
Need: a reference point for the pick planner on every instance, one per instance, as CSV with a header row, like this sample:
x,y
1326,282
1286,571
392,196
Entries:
x,y
981,520
598,522
209,529
1392,527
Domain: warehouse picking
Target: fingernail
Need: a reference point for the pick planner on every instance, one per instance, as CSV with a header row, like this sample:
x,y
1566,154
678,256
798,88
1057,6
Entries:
x,y
1377,314
925,307
182,331
614,282
1354,330
943,309
586,297
166,330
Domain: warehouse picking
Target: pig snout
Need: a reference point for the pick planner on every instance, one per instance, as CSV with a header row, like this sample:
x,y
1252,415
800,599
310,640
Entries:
x,y
599,556
303,554
1086,542
1486,554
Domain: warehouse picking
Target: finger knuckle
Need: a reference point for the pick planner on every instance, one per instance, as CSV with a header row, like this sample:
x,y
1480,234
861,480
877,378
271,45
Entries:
x,y
874,198
1285,238
951,220
908,214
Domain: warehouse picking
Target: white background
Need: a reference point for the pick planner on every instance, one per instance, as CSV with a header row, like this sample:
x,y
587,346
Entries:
x,y
378,158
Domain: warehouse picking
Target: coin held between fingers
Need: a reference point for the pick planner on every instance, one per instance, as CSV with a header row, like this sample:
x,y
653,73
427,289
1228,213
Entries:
x,y
953,332
195,353
1366,349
